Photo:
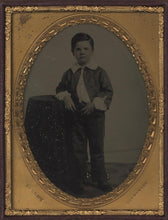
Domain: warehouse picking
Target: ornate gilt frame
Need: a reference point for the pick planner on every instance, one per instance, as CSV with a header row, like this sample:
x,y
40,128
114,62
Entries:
x,y
14,108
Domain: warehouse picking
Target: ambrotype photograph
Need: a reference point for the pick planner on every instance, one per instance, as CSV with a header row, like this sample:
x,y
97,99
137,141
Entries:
x,y
86,111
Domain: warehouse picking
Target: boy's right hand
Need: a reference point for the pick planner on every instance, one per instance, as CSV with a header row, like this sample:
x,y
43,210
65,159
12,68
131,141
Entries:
x,y
69,104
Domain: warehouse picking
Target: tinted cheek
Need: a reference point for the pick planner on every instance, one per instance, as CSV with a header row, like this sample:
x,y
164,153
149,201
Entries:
x,y
76,55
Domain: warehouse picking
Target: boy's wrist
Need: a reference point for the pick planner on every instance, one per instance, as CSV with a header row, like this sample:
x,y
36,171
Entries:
x,y
62,95
99,104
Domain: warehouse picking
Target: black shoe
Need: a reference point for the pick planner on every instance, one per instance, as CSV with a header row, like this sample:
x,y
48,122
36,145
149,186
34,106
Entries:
x,y
106,187
87,178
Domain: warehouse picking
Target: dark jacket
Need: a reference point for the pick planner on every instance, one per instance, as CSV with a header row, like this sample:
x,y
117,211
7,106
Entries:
x,y
96,81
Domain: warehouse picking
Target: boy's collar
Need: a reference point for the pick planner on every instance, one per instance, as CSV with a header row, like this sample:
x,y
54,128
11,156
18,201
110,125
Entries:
x,y
90,65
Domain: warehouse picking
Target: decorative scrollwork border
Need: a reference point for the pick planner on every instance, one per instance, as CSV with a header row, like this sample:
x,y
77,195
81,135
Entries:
x,y
153,101
23,75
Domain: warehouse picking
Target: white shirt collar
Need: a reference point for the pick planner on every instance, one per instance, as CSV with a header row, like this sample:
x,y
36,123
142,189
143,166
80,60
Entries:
x,y
91,65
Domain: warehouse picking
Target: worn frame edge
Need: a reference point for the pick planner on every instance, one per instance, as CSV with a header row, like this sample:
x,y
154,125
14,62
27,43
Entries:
x,y
8,106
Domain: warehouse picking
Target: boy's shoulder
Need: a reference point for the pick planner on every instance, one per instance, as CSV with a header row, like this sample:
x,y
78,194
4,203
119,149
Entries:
x,y
68,72
100,70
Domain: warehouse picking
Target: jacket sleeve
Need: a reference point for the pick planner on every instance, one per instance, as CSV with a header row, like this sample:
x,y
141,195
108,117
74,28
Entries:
x,y
62,88
106,90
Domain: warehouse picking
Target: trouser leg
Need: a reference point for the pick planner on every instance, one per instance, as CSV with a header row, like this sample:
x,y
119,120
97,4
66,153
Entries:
x,y
78,148
96,132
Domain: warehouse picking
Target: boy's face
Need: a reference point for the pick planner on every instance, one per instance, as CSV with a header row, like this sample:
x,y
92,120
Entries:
x,y
83,52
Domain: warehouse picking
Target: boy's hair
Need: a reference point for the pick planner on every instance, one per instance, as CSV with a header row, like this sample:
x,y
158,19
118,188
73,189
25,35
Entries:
x,y
81,37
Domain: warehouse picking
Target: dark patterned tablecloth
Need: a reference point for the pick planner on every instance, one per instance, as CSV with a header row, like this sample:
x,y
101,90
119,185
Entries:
x,y
46,126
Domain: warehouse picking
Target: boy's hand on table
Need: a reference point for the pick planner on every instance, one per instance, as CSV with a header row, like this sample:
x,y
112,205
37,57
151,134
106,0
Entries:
x,y
88,108
69,104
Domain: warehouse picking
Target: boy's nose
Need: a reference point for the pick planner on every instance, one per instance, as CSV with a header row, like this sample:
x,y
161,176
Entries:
x,y
82,52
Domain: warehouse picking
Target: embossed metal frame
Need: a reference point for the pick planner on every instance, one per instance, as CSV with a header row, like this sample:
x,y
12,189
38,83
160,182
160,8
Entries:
x,y
153,106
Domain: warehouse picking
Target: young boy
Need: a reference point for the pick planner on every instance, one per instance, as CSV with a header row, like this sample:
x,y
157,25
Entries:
x,y
87,93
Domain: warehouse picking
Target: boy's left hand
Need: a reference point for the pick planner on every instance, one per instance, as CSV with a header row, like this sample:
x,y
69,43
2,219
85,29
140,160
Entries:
x,y
88,108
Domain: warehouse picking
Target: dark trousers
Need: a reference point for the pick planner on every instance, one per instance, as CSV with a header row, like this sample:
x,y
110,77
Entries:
x,y
91,127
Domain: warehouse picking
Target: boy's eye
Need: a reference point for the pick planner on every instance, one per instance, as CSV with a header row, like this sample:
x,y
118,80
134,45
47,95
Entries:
x,y
79,49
